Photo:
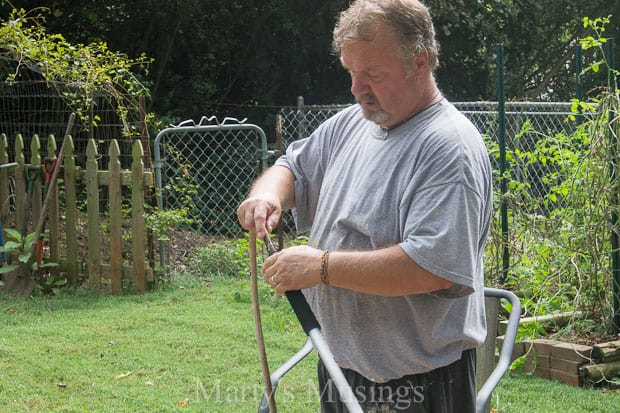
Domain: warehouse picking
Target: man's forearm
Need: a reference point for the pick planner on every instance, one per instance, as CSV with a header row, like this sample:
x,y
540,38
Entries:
x,y
387,272
279,182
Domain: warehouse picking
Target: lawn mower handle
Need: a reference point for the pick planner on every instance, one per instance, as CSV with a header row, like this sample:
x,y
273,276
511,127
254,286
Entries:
x,y
302,310
312,328
297,300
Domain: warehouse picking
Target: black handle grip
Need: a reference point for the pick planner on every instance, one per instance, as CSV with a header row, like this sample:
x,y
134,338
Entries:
x,y
302,310
297,300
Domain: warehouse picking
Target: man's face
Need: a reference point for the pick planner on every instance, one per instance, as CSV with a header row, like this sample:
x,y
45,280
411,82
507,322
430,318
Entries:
x,y
388,89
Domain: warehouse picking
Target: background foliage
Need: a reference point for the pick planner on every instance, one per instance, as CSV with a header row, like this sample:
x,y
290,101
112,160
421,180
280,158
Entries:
x,y
81,73
248,58
563,207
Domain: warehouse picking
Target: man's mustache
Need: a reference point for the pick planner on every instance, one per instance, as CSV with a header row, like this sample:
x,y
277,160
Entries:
x,y
366,98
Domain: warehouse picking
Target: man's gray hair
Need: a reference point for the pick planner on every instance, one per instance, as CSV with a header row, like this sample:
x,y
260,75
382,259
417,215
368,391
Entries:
x,y
410,21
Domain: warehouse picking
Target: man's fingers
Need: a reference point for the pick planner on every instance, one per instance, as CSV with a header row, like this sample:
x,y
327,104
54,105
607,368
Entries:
x,y
261,213
259,217
272,220
245,215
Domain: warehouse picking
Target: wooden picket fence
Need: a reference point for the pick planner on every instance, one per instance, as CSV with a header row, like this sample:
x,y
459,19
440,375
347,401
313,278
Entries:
x,y
92,245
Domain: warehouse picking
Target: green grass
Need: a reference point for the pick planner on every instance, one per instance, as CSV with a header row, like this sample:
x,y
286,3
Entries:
x,y
524,393
186,349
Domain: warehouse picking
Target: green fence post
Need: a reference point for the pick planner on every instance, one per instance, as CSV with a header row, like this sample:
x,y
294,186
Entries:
x,y
502,161
579,84
611,64
578,70
615,241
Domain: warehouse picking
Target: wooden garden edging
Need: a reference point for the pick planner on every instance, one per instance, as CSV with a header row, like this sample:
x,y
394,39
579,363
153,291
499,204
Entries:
x,y
63,223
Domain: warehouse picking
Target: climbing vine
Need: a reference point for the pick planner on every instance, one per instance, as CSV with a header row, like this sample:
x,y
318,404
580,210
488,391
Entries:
x,y
79,72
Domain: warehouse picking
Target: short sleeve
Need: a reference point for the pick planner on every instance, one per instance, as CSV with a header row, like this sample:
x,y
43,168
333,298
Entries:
x,y
442,233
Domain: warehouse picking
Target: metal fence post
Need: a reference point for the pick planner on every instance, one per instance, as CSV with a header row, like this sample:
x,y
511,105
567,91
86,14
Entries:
x,y
501,109
615,239
579,84
301,118
578,70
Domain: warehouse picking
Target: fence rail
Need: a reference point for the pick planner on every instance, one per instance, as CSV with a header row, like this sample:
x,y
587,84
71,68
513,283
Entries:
x,y
89,237
300,122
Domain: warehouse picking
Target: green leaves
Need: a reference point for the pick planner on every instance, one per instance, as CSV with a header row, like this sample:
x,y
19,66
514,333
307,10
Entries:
x,y
18,245
78,71
562,193
597,42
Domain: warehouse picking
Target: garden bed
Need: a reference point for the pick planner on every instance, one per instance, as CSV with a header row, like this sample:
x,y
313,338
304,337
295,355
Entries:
x,y
570,363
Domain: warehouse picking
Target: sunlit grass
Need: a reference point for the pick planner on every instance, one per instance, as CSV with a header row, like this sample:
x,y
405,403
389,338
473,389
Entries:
x,y
190,347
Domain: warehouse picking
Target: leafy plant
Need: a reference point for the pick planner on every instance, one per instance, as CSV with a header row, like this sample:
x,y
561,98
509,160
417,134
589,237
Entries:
x,y
596,40
80,73
19,246
223,259
183,191
562,196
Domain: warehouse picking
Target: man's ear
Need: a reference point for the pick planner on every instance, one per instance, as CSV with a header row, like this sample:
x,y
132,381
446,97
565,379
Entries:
x,y
420,61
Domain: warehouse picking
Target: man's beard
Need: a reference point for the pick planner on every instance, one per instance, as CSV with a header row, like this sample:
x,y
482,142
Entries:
x,y
379,116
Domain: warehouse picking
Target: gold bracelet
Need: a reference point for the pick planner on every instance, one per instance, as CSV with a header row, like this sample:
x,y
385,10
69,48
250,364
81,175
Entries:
x,y
324,262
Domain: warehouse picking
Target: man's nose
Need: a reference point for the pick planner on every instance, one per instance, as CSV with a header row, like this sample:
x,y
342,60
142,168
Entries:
x,y
359,85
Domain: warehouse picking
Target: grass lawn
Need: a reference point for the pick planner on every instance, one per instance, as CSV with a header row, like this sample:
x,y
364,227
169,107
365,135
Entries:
x,y
188,348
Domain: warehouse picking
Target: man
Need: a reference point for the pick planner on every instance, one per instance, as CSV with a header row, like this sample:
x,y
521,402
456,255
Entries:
x,y
396,192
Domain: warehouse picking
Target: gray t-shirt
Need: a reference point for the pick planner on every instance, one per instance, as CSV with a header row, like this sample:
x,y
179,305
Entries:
x,y
425,186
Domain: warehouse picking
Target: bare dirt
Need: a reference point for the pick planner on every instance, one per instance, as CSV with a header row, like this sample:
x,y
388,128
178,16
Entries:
x,y
181,246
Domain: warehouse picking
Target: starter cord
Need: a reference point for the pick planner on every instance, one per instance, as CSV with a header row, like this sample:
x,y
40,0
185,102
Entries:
x,y
260,339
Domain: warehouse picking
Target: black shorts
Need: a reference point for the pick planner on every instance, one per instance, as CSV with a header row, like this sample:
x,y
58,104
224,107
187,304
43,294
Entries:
x,y
447,389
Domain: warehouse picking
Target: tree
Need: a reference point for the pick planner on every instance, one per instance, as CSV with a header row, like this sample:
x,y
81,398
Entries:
x,y
247,58
539,39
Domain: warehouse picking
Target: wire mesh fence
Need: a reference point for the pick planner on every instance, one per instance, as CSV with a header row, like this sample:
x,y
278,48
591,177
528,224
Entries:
x,y
546,118
209,168
527,127
219,164
34,106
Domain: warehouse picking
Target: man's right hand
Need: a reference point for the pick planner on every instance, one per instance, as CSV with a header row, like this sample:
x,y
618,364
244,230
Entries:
x,y
273,192
259,215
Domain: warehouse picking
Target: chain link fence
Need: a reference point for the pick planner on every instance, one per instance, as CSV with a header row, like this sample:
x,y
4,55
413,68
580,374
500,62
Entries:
x,y
209,169
215,164
525,124
219,162
544,117
547,118
301,121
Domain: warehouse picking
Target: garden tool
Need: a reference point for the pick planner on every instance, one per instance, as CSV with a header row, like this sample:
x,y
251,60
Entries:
x,y
20,283
32,174
2,211
49,166
51,181
312,329
2,241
